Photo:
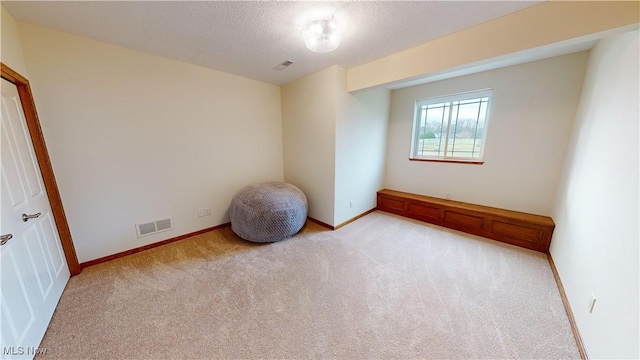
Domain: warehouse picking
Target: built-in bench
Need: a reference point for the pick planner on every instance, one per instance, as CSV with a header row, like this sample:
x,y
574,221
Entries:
x,y
512,227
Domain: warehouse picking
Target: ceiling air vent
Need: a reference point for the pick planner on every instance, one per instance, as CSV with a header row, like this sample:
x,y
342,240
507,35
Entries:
x,y
154,227
283,65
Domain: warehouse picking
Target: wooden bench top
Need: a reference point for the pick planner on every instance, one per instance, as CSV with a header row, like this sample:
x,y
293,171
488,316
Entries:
x,y
516,215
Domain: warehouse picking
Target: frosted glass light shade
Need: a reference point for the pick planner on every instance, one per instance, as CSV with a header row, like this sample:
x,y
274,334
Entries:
x,y
321,35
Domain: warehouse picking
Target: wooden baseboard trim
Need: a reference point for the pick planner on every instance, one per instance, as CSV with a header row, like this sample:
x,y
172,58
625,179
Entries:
x,y
150,246
182,237
330,227
355,218
567,308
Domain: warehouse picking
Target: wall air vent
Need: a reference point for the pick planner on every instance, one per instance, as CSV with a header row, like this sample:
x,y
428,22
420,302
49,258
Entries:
x,y
154,227
283,65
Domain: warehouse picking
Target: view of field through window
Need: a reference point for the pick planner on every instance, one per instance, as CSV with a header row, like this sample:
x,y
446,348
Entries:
x,y
453,129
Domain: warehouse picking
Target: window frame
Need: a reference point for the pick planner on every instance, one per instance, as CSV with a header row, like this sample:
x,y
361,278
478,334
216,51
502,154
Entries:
x,y
463,96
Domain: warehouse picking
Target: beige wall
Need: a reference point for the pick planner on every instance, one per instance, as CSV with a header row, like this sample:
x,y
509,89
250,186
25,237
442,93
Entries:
x,y
334,144
535,27
11,53
135,137
595,244
362,121
308,131
530,122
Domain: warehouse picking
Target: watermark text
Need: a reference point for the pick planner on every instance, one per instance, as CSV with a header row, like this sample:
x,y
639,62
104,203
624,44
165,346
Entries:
x,y
23,350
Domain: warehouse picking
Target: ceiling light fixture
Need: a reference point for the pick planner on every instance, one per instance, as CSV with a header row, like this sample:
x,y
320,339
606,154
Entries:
x,y
321,35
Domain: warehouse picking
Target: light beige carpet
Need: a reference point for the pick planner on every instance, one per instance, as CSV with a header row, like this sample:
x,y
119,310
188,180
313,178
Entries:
x,y
382,287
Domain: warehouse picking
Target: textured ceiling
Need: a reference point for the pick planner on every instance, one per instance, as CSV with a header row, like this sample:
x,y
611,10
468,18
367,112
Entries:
x,y
249,38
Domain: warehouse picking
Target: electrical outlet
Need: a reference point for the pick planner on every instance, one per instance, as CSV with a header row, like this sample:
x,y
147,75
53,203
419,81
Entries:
x,y
592,303
200,212
350,203
207,211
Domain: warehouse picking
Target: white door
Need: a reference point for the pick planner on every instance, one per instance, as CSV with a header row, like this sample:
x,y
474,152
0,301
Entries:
x,y
33,269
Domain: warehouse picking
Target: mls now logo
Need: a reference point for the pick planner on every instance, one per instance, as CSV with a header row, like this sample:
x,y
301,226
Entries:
x,y
23,350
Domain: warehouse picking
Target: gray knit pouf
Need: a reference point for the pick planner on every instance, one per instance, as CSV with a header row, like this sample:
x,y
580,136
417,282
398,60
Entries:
x,y
268,212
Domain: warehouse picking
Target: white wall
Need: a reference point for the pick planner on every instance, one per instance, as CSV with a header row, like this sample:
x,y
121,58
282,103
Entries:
x,y
530,122
308,130
362,121
135,137
595,243
11,53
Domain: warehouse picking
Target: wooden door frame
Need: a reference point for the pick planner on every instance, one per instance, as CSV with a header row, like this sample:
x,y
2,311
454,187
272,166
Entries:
x,y
42,156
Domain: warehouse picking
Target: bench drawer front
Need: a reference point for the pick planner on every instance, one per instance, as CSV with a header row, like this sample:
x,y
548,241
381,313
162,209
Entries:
x,y
463,219
391,203
516,231
426,211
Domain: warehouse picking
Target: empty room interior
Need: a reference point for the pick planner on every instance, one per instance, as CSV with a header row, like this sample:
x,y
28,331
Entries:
x,y
445,179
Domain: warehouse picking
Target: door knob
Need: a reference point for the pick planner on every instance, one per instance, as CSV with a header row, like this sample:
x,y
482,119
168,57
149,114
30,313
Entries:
x,y
26,217
5,238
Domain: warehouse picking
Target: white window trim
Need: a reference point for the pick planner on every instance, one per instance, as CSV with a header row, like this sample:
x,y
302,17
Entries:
x,y
448,98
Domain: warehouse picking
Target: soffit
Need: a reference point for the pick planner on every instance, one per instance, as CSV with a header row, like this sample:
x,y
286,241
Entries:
x,y
249,38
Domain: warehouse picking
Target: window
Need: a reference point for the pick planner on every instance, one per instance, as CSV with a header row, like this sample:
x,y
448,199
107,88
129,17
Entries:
x,y
451,128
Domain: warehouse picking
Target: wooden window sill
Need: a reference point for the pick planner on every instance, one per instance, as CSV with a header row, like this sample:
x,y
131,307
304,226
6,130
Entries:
x,y
451,161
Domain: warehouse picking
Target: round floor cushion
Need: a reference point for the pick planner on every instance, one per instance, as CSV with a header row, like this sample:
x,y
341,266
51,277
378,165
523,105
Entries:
x,y
268,212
